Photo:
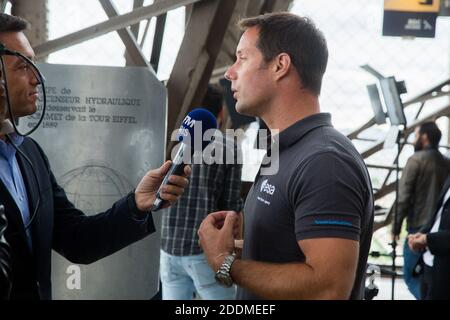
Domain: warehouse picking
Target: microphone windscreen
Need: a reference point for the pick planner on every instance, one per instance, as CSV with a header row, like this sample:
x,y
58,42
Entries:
x,y
198,117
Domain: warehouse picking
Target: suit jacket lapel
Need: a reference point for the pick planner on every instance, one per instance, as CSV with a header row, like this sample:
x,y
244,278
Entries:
x,y
430,223
32,192
29,181
444,191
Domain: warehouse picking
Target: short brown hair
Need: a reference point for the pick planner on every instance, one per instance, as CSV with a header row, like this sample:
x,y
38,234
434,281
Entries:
x,y
9,23
284,32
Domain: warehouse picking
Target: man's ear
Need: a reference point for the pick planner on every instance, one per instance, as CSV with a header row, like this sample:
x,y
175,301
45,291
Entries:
x,y
282,65
425,139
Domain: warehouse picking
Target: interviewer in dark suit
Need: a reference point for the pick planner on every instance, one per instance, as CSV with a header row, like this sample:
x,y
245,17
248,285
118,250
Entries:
x,y
434,243
58,224
5,260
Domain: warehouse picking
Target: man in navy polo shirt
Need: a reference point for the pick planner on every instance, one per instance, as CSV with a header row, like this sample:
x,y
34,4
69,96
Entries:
x,y
308,227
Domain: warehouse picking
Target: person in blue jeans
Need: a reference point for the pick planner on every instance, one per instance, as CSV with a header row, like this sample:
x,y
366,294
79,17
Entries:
x,y
184,271
410,260
419,188
188,277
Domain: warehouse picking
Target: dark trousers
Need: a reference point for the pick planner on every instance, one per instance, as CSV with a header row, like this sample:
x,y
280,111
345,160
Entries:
x,y
426,282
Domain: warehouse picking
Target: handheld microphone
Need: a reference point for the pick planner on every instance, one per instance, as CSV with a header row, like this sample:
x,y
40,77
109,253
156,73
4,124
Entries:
x,y
190,134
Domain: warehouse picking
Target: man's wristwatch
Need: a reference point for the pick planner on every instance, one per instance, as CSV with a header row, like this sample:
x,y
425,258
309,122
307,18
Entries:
x,y
223,276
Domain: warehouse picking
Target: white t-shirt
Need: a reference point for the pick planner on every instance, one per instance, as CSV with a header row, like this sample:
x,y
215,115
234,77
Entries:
x,y
428,257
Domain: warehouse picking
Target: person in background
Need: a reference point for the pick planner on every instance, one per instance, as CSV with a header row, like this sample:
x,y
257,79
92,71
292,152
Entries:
x,y
183,266
420,185
432,242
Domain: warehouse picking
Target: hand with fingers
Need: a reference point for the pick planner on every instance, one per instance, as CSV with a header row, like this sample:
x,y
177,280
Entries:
x,y
417,242
217,234
145,193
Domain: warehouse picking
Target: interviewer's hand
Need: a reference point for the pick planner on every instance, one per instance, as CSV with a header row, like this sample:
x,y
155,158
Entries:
x,y
417,242
145,193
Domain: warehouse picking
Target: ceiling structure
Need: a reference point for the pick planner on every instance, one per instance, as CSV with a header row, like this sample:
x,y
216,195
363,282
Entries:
x,y
207,50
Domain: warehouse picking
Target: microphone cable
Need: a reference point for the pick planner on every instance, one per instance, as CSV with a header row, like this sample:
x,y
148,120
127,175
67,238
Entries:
x,y
40,78
41,81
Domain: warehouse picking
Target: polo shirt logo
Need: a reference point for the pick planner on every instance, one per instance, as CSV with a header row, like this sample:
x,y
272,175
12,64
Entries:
x,y
267,187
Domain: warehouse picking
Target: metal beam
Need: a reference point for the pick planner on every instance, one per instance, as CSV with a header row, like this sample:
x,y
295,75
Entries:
x,y
444,111
187,14
254,7
135,32
113,24
422,98
3,4
365,126
433,93
36,13
384,191
196,58
129,40
158,40
376,166
244,8
276,5
227,52
135,27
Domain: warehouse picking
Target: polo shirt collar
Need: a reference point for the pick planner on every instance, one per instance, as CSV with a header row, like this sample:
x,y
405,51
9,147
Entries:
x,y
298,130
